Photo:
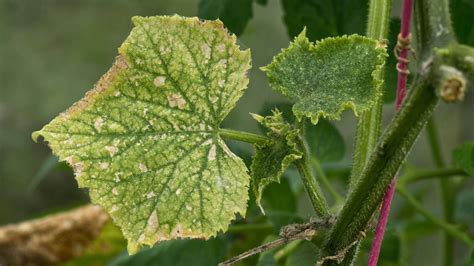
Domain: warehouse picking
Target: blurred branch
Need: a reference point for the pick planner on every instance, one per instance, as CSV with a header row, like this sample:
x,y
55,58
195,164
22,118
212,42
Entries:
x,y
431,173
52,239
449,228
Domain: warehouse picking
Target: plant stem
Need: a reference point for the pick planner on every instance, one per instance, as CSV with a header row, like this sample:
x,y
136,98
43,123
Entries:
x,y
433,27
433,140
451,229
309,181
431,173
384,162
401,92
325,182
447,197
242,136
312,188
369,123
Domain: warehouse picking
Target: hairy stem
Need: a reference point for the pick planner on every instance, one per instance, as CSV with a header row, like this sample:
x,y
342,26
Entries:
x,y
369,123
402,68
309,181
384,162
312,187
450,229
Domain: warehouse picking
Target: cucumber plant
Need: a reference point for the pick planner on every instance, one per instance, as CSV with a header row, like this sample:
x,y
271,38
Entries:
x,y
147,143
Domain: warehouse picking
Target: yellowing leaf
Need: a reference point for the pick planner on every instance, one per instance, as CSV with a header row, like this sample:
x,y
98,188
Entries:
x,y
145,140
330,76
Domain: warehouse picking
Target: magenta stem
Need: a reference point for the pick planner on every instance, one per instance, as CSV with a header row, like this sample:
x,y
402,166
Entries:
x,y
401,92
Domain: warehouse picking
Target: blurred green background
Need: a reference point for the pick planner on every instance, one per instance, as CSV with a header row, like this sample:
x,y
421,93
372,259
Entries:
x,y
53,51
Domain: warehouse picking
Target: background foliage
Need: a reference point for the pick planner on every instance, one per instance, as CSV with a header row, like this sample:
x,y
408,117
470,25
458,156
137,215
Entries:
x,y
53,51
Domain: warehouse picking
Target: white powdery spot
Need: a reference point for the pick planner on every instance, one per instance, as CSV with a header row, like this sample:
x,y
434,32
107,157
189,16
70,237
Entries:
x,y
117,94
211,156
206,50
112,150
176,99
152,223
104,165
202,126
114,208
150,195
69,142
221,48
159,81
141,238
115,191
117,177
189,208
145,111
221,83
222,62
142,167
178,191
98,123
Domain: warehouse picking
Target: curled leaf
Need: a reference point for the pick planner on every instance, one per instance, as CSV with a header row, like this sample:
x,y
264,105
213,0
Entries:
x,y
273,158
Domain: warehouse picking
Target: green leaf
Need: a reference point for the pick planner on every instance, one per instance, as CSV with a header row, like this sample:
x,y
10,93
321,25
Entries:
x,y
145,140
325,18
306,254
280,204
461,12
330,76
183,252
463,157
234,13
273,158
325,141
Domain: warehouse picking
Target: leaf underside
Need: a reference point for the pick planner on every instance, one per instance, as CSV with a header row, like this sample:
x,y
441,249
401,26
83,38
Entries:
x,y
463,157
325,78
145,140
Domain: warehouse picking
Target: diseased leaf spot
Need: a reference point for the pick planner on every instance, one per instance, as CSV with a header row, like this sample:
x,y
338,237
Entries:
x,y
206,50
142,167
99,122
112,150
212,153
159,81
176,99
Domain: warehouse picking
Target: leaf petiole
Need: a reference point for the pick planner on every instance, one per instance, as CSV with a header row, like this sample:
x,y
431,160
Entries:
x,y
243,136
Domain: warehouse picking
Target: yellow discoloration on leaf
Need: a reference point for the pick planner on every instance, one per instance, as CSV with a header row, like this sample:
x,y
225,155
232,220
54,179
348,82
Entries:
x,y
144,141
